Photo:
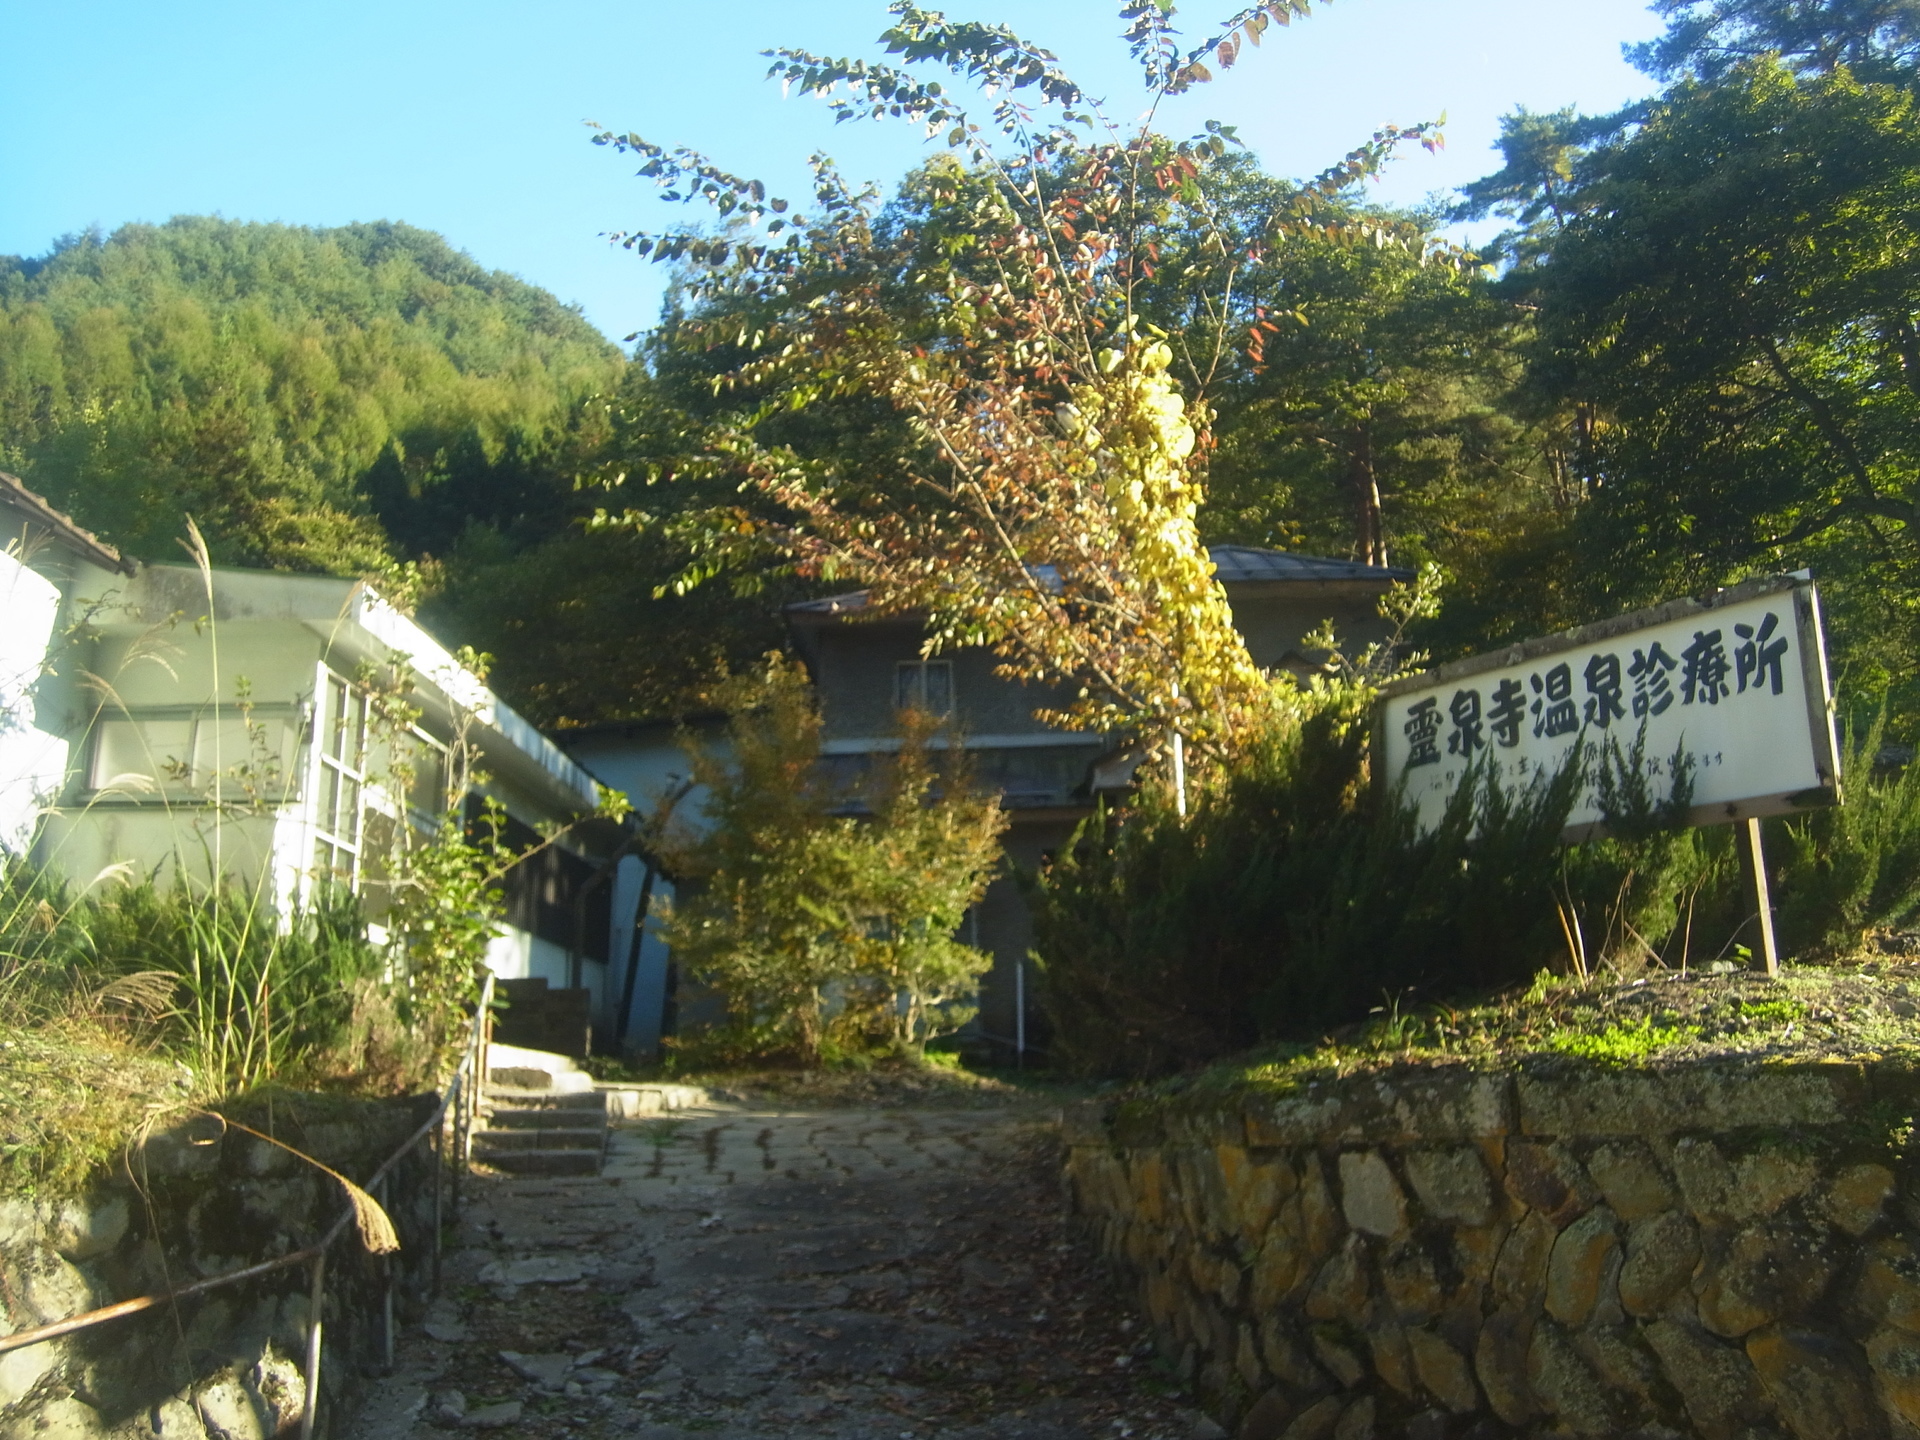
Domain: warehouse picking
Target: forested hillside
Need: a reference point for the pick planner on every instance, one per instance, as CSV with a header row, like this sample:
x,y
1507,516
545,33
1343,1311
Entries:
x,y
286,386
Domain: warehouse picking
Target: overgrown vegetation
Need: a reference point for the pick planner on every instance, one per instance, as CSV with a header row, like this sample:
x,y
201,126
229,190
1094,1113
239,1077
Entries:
x,y
1013,398
210,971
1298,898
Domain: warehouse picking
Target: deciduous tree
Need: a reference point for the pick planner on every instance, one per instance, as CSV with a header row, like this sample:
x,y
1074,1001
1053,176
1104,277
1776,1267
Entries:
x,y
1059,442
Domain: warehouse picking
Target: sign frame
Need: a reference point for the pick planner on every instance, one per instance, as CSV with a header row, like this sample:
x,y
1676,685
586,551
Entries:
x,y
1818,691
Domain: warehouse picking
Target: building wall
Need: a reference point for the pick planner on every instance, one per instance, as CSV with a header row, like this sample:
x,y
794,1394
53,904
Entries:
x,y
33,760
856,666
1275,625
169,693
516,955
647,763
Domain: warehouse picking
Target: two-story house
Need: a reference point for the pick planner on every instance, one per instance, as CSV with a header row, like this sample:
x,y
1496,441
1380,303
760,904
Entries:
x,y
868,668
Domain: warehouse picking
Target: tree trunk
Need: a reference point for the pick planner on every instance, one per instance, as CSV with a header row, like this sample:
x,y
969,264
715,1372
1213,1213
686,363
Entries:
x,y
1369,533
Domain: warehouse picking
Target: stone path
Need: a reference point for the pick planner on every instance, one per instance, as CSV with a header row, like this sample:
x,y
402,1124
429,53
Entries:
x,y
747,1271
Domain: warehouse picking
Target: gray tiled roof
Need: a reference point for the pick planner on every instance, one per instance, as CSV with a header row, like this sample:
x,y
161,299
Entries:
x,y
1235,564
15,496
1244,562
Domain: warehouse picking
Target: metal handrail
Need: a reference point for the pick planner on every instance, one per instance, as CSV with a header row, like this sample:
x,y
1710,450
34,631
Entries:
x,y
460,1096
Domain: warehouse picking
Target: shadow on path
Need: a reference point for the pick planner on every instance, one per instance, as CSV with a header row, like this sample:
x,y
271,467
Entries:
x,y
748,1271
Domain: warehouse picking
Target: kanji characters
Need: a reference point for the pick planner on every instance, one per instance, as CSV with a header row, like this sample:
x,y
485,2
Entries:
x,y
1758,654
1507,713
1554,712
1423,733
1651,672
1468,734
1603,691
1704,680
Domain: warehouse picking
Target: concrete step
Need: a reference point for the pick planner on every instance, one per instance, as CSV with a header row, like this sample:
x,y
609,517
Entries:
x,y
573,1117
542,1162
541,1113
492,1141
631,1099
511,1097
524,1069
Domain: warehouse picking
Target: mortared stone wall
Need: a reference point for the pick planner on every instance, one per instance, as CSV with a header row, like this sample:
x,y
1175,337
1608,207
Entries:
x,y
1725,1251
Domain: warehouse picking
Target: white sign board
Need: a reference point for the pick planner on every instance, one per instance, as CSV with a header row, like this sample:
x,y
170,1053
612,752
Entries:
x,y
1736,683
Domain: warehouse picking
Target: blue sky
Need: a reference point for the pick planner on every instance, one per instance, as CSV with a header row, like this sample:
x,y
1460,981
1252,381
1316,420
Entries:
x,y
467,118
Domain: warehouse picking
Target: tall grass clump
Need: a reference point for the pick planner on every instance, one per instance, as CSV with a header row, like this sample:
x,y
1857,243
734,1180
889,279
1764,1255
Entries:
x,y
197,974
1647,888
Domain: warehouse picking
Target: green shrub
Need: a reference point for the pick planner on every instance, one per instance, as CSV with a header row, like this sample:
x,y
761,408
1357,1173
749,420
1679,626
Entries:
x,y
1292,899
1296,898
1856,867
828,934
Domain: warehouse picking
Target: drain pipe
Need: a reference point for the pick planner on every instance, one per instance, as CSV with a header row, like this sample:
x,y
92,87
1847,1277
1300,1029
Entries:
x,y
623,1018
1020,1014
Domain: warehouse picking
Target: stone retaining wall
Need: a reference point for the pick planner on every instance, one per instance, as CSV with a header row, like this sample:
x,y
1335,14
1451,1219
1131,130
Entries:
x,y
225,1366
1731,1253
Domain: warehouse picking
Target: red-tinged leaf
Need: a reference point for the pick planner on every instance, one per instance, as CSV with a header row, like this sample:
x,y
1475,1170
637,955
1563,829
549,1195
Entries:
x,y
1226,53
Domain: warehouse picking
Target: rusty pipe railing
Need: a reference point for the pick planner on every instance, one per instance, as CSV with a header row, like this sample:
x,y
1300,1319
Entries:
x,y
460,1098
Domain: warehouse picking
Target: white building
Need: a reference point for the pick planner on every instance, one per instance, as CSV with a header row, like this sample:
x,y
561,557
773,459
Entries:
x,y
161,721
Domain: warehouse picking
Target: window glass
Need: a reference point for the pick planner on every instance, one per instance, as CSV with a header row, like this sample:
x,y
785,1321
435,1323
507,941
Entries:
x,y
376,887
248,758
339,803
938,687
138,756
925,685
344,723
427,780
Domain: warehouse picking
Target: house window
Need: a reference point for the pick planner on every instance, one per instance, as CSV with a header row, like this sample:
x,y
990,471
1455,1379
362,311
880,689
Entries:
x,y
143,755
224,757
340,797
924,685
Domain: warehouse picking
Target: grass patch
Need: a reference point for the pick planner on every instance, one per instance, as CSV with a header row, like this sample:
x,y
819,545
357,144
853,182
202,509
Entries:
x,y
1772,1012
1627,1043
71,1099
1864,1011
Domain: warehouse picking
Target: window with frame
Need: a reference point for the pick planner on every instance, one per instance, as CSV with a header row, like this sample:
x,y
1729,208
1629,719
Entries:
x,y
924,685
339,802
215,755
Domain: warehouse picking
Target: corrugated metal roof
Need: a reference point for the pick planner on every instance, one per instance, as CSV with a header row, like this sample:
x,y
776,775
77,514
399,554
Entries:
x,y
1234,564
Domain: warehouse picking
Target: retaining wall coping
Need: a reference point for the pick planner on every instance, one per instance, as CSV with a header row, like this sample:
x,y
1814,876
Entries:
x,y
1676,1099
1408,1104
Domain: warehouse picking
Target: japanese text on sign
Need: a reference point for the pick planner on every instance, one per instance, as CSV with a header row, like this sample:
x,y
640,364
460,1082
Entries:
x,y
1726,688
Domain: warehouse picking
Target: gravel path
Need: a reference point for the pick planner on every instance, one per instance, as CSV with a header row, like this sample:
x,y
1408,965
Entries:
x,y
753,1271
